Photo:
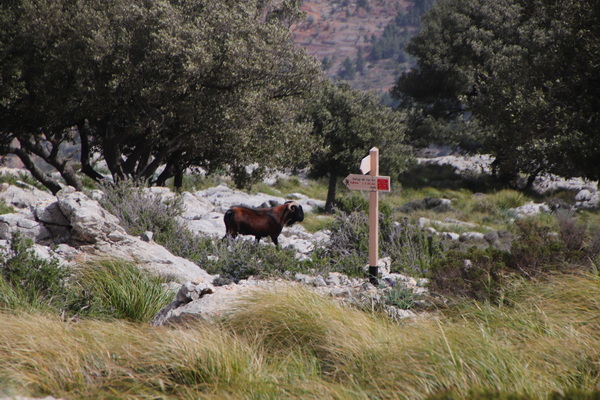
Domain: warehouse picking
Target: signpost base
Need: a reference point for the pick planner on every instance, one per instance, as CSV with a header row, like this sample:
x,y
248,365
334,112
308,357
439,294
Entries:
x,y
373,275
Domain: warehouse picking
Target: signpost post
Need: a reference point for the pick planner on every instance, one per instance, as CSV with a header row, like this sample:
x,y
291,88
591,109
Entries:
x,y
374,220
374,184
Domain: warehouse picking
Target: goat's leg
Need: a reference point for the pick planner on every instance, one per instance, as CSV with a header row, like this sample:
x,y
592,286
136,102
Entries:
x,y
230,235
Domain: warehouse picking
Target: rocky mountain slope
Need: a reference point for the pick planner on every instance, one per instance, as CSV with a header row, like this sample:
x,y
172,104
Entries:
x,y
336,30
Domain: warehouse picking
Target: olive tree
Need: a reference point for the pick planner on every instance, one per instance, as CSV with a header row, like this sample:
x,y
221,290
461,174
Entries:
x,y
154,87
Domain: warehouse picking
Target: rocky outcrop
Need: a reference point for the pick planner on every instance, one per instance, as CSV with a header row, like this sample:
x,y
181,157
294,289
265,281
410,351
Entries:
x,y
89,222
74,228
200,299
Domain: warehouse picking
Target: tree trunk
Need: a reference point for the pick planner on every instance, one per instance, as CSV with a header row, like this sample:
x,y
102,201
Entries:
x,y
178,180
531,179
86,167
331,192
68,173
50,155
37,173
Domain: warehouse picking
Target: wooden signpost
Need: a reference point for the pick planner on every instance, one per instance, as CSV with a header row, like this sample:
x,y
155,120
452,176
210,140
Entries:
x,y
374,184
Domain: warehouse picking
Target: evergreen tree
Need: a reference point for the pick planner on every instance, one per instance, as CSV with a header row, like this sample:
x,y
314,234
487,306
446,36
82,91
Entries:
x,y
527,70
348,70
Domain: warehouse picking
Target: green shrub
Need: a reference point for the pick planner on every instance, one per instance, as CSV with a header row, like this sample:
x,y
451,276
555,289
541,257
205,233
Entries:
x,y
537,249
352,203
27,281
476,273
400,297
140,212
239,259
349,233
412,251
359,203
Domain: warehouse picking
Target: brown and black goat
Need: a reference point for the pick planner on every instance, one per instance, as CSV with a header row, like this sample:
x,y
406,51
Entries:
x,y
262,222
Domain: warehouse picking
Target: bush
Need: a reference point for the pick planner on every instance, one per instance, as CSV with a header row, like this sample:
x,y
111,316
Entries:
x,y
27,281
476,273
412,251
400,297
537,250
239,259
140,212
352,203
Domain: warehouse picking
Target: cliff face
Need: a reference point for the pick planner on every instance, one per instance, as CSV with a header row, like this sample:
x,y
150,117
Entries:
x,y
336,30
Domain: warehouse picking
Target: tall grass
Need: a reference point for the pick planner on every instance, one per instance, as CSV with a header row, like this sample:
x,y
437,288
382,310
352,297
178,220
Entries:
x,y
291,343
121,290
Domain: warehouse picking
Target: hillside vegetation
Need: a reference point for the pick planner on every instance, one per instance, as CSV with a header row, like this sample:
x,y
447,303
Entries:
x,y
518,324
127,94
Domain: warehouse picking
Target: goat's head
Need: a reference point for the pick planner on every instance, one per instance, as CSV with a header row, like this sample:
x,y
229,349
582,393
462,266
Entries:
x,y
296,214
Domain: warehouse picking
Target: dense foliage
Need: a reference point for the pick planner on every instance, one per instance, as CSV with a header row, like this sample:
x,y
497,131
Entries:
x,y
526,70
212,84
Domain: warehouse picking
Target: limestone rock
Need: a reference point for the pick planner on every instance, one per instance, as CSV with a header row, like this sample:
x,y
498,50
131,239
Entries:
x,y
10,223
25,200
148,255
530,209
90,223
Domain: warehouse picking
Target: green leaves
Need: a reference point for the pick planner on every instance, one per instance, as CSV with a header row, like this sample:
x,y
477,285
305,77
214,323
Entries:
x,y
525,69
347,123
209,84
